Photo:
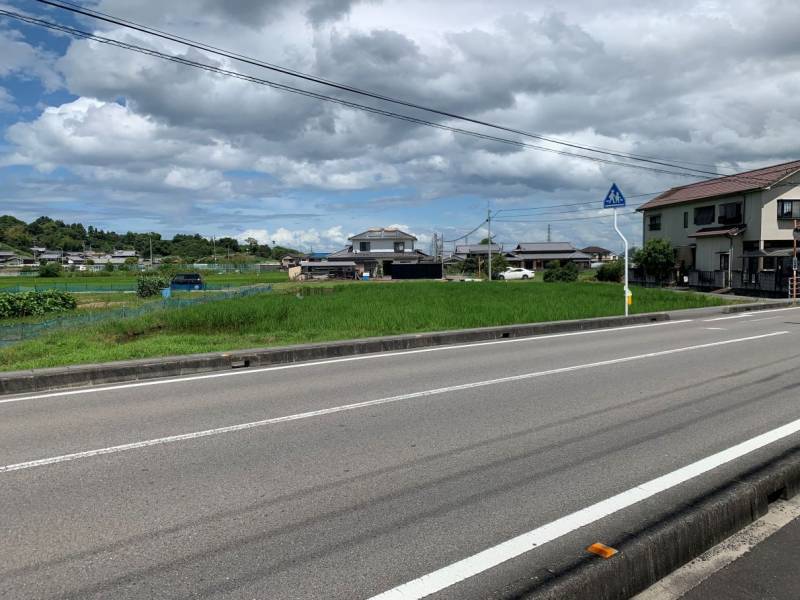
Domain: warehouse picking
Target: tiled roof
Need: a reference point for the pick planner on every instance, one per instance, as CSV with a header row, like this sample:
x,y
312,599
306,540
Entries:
x,y
545,247
596,250
477,248
551,256
714,231
724,186
382,233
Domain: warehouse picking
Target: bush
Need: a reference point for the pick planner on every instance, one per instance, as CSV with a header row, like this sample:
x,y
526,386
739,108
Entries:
x,y
26,304
569,272
150,284
611,271
50,269
657,258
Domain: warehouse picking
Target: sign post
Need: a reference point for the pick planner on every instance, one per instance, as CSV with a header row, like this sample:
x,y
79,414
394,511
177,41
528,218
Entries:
x,y
795,237
614,199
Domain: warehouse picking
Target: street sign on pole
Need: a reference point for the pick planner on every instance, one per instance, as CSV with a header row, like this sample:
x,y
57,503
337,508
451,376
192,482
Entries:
x,y
614,199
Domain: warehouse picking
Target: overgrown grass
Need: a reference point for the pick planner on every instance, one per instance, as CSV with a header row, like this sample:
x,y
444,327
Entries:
x,y
128,278
351,311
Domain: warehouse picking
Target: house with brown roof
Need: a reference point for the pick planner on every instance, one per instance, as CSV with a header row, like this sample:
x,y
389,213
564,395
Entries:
x,y
734,231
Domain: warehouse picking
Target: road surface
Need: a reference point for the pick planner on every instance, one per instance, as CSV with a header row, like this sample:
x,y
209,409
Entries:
x,y
348,478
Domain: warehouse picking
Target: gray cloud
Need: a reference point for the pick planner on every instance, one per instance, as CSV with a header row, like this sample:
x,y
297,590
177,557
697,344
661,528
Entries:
x,y
699,82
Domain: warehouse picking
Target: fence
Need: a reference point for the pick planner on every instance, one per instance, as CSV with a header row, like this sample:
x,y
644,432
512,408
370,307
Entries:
x,y
22,331
124,286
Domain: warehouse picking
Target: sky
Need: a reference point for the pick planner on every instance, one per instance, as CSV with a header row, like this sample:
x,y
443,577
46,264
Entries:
x,y
119,140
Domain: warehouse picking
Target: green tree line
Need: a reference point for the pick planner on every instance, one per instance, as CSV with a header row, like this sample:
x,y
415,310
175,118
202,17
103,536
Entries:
x,y
74,237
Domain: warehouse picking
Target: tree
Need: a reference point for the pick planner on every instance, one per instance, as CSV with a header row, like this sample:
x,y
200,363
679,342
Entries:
x,y
51,269
611,271
657,258
499,263
252,245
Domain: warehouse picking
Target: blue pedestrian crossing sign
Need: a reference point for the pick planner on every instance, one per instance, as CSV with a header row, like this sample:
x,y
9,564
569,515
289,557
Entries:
x,y
614,198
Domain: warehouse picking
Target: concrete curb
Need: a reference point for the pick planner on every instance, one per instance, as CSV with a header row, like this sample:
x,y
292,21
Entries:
x,y
38,380
647,556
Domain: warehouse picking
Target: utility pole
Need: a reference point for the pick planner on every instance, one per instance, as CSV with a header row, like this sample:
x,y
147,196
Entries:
x,y
214,248
548,232
489,246
150,237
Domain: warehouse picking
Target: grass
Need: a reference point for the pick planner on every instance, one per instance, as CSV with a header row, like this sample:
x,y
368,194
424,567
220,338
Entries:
x,y
129,279
350,311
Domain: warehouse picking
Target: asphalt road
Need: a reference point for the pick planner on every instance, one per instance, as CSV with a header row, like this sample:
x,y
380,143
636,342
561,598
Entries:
x,y
391,466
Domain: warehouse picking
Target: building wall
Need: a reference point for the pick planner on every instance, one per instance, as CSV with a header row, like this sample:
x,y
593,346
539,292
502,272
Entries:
x,y
771,227
709,249
383,245
673,231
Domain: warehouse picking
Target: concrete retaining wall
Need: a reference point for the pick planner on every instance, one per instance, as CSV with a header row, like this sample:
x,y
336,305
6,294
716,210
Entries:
x,y
647,556
17,382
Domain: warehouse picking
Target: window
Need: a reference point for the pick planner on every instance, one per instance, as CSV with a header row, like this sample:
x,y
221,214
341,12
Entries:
x,y
363,246
399,246
769,263
730,214
724,261
789,209
704,215
654,223
686,219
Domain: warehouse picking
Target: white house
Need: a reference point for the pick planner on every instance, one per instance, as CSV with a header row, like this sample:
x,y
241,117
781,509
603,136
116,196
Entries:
x,y
733,231
377,249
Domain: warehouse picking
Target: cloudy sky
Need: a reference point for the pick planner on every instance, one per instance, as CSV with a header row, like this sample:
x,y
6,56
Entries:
x,y
120,140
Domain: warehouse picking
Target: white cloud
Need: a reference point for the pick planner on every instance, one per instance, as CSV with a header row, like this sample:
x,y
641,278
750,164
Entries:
x,y
7,103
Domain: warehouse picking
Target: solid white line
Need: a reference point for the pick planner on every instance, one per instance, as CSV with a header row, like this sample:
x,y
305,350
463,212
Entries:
x,y
491,557
303,365
347,407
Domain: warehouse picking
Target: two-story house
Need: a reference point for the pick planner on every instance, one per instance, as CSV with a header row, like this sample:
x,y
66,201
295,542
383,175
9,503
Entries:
x,y
734,231
375,251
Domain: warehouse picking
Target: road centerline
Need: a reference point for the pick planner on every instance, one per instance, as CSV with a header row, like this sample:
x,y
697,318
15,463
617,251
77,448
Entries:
x,y
359,405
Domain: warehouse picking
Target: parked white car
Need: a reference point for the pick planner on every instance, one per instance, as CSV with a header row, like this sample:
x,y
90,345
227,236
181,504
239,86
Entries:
x,y
516,273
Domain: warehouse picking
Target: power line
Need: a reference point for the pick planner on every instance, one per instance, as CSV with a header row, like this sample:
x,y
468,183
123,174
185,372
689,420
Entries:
x,y
121,22
632,212
466,234
316,95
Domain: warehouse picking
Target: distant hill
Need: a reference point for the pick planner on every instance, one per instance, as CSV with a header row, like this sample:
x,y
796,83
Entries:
x,y
19,236
17,251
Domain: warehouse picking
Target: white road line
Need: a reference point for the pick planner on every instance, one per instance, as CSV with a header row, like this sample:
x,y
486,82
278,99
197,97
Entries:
x,y
304,365
739,316
491,557
715,328
347,407
751,314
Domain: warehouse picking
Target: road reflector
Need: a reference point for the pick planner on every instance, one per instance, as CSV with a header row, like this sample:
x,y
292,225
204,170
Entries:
x,y
602,550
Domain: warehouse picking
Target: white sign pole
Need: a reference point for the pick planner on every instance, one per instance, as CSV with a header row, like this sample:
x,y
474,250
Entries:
x,y
625,242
